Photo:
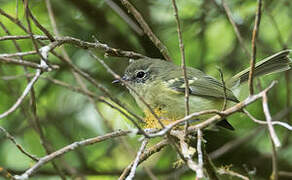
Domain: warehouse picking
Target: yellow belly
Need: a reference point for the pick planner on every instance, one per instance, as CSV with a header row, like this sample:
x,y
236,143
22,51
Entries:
x,y
175,109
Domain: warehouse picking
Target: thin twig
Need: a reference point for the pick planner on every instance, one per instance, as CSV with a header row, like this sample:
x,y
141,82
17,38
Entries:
x,y
253,55
17,47
19,54
135,164
187,155
39,25
14,20
283,124
274,138
147,29
226,170
124,16
199,150
235,28
29,29
98,45
20,37
269,121
145,155
8,78
26,63
224,90
21,98
12,139
275,172
183,64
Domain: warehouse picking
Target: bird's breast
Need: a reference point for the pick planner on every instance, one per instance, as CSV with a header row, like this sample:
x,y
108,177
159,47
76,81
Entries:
x,y
169,105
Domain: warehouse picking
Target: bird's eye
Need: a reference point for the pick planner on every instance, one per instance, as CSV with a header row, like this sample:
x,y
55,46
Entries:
x,y
140,74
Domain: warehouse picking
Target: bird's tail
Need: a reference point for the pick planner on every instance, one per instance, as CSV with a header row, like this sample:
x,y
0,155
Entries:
x,y
276,63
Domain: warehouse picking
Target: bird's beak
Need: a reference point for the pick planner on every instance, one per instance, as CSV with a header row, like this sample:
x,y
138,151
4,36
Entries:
x,y
116,81
124,78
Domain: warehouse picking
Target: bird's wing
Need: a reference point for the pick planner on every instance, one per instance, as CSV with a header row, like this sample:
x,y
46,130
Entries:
x,y
201,85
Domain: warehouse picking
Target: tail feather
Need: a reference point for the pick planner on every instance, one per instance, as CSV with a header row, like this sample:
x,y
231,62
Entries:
x,y
225,124
276,63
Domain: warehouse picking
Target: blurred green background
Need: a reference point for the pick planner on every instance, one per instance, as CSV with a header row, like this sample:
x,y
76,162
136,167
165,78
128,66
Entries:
x,y
210,42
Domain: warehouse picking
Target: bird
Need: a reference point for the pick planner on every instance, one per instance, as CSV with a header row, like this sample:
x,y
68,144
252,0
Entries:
x,y
161,84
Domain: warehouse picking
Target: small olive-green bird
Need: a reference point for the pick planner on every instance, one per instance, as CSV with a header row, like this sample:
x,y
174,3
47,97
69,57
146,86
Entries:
x,y
161,84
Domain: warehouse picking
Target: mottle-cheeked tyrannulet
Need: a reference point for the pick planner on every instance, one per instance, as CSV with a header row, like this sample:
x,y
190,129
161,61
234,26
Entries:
x,y
162,86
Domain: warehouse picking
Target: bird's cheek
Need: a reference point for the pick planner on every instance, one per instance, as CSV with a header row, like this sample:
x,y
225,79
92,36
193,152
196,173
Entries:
x,y
131,85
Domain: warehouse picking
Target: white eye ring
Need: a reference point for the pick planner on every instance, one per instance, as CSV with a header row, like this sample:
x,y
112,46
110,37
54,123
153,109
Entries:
x,y
140,74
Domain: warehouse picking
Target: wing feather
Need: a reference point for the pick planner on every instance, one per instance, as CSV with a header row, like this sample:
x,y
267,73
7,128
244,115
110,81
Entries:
x,y
202,85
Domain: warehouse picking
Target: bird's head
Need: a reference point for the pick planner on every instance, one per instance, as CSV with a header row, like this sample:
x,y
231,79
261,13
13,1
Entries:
x,y
143,71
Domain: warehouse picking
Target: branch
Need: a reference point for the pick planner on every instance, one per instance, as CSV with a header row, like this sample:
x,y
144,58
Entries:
x,y
235,28
125,17
25,63
14,20
43,29
12,139
224,90
253,56
273,135
274,138
200,153
145,155
21,98
28,173
82,44
20,37
183,64
283,124
226,170
147,29
135,164
18,54
187,155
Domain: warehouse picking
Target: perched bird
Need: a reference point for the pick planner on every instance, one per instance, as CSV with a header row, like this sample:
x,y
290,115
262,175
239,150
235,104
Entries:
x,y
161,84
